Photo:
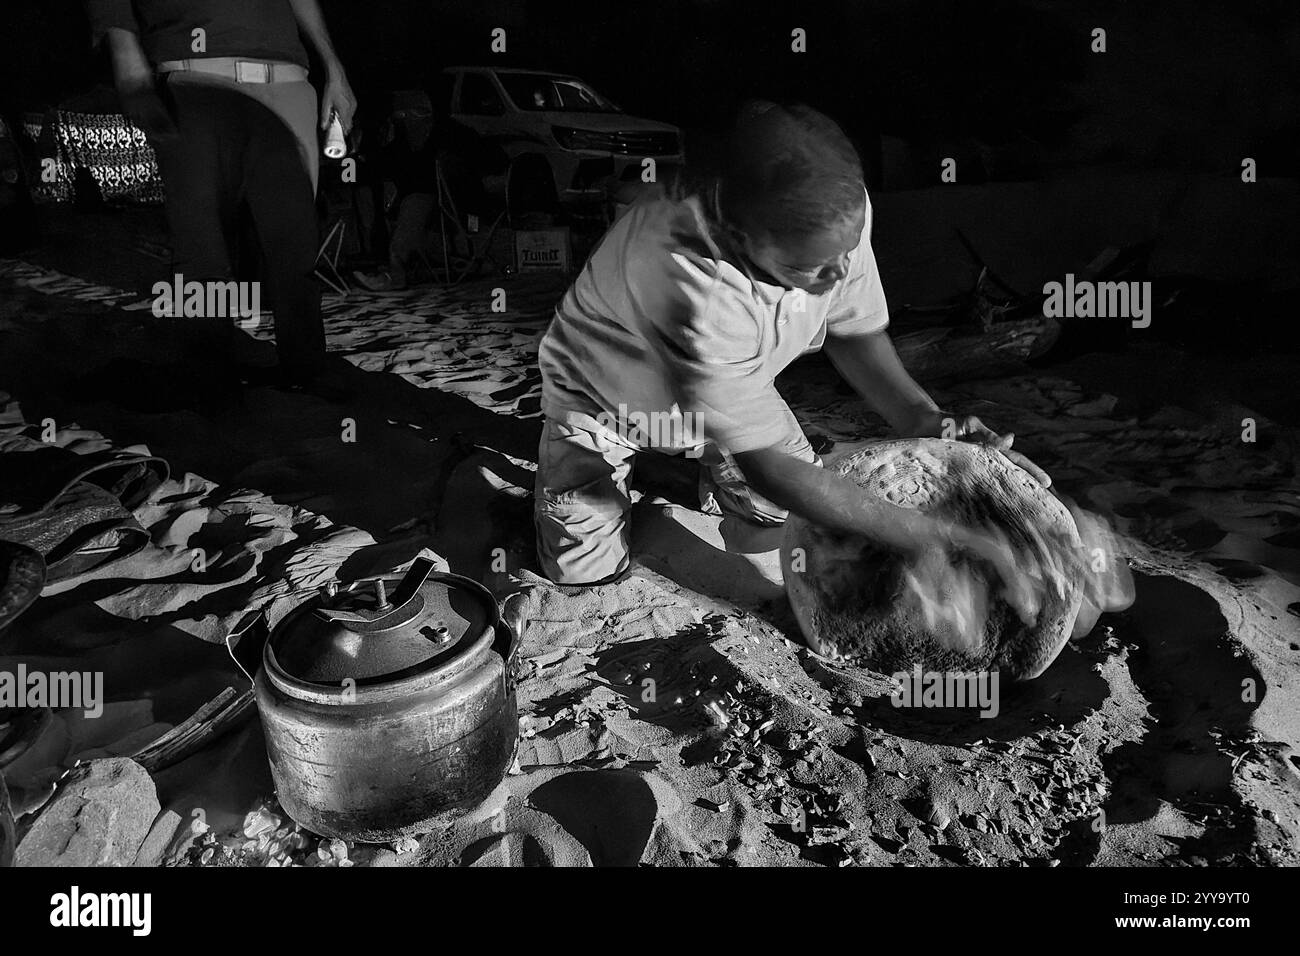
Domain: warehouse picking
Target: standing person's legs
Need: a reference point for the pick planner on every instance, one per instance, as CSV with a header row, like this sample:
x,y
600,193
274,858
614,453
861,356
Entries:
x,y
581,503
278,189
200,172
297,104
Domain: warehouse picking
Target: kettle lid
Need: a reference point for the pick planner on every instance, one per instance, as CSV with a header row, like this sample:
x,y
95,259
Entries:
x,y
382,628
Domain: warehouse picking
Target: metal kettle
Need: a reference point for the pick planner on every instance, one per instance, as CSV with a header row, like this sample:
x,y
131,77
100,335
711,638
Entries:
x,y
388,705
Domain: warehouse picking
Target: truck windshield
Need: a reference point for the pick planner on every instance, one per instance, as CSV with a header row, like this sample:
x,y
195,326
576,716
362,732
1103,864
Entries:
x,y
541,91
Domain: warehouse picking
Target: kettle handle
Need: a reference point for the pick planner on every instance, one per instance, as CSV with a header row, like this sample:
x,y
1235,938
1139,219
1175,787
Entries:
x,y
405,605
245,641
514,619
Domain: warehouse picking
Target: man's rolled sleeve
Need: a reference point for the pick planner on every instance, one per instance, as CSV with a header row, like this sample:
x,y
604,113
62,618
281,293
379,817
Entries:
x,y
711,344
737,412
107,15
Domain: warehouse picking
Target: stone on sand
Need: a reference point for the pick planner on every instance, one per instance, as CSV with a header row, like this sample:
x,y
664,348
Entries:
x,y
100,817
155,850
849,594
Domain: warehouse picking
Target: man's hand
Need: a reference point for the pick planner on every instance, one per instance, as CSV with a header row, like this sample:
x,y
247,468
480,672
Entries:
x,y
939,575
1025,573
935,423
870,364
337,97
136,89
143,106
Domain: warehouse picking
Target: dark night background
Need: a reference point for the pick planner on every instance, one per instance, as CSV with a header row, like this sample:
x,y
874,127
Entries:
x,y
1182,85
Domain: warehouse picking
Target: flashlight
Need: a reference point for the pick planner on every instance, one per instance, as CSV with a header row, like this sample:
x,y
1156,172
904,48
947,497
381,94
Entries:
x,y
335,146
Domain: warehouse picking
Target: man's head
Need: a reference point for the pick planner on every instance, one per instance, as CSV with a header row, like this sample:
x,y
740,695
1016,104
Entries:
x,y
792,192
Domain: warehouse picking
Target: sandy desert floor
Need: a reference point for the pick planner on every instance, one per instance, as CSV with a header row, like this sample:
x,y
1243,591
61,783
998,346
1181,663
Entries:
x,y
1170,735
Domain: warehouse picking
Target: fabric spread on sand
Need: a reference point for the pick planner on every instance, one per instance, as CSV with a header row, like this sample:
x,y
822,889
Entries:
x,y
36,473
70,500
191,553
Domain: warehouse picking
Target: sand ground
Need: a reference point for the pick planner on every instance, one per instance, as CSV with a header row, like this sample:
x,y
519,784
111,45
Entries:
x,y
1167,736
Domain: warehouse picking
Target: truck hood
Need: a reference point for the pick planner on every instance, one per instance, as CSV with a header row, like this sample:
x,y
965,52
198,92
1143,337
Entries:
x,y
603,122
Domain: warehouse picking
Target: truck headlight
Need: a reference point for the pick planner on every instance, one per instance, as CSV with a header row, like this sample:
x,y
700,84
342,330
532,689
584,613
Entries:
x,y
571,138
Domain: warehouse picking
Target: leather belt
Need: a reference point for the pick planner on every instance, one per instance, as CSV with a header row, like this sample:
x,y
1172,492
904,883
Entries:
x,y
239,70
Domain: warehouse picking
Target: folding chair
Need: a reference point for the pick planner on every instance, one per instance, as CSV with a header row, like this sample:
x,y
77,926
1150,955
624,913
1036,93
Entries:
x,y
455,267
327,261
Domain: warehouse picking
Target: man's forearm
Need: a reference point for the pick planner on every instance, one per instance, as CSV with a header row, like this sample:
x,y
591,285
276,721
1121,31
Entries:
x,y
131,68
136,88
830,500
870,364
337,100
312,24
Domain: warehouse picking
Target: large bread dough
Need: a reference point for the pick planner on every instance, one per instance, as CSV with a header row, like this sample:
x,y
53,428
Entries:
x,y
851,600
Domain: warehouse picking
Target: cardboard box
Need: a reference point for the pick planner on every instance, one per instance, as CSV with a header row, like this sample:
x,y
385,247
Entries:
x,y
543,250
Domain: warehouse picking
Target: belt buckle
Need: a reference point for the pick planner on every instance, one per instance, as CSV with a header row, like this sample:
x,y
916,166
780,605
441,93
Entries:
x,y
246,72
